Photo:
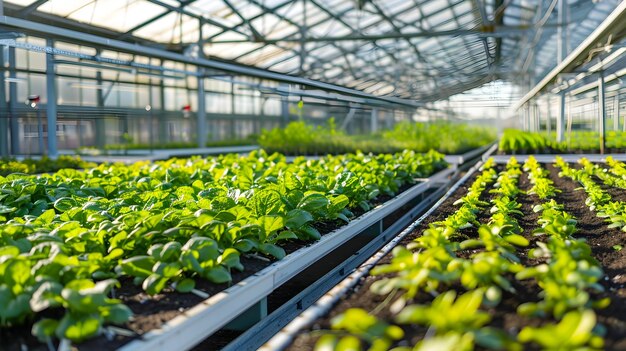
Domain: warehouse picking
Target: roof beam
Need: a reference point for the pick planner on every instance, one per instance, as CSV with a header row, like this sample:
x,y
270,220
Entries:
x,y
32,7
271,10
256,36
485,21
153,19
182,11
483,32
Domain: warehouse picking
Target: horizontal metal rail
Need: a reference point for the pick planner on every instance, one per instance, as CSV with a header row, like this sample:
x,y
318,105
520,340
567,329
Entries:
x,y
284,338
196,324
463,158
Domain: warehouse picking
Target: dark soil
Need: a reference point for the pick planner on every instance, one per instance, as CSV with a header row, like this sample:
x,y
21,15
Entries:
x,y
601,239
599,236
151,312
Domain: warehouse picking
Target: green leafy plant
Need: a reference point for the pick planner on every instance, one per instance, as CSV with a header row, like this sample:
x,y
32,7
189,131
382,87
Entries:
x,y
362,329
574,332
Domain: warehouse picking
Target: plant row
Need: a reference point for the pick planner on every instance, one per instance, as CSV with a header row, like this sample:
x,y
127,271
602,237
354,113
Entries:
x,y
67,238
42,165
299,138
517,141
598,199
436,263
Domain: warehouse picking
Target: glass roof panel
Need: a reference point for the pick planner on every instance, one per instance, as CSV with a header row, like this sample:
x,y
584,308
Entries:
x,y
64,8
168,29
379,47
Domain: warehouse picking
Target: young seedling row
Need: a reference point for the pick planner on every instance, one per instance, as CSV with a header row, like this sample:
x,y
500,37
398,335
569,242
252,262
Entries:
x,y
480,279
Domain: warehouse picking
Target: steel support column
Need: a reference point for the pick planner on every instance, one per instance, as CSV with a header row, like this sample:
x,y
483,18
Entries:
x,y
284,107
163,128
51,104
601,111
14,122
348,119
560,121
201,127
548,116
233,108
616,112
374,121
100,123
4,116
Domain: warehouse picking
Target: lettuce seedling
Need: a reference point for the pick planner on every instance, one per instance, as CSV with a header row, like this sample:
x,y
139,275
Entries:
x,y
361,329
575,332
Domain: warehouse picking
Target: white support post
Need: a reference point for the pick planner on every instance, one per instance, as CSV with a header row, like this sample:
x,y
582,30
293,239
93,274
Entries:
x,y
374,121
548,116
348,118
201,127
13,122
616,112
536,118
560,121
601,111
51,104
570,121
4,115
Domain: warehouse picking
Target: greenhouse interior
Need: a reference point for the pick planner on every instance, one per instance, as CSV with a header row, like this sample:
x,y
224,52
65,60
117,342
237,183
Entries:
x,y
312,175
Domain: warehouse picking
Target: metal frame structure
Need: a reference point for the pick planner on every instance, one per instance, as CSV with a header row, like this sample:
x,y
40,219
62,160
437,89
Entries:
x,y
597,60
419,50
368,56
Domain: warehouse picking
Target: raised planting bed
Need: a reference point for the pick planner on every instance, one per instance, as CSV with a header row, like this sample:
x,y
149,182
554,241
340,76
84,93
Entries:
x,y
524,258
178,234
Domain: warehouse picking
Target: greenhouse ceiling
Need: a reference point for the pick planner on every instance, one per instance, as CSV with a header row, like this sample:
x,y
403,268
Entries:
x,y
412,49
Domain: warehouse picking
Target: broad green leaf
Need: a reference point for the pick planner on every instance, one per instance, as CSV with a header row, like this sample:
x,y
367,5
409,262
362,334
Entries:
x,y
17,272
270,224
44,329
154,283
78,327
266,202
285,235
138,266
313,202
230,259
338,203
65,204
217,275
47,216
116,314
272,250
297,218
185,285
10,251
